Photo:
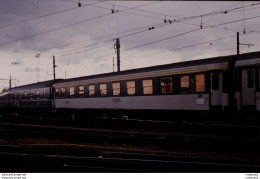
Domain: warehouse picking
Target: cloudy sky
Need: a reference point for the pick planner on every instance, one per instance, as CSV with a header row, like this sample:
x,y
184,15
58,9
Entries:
x,y
150,32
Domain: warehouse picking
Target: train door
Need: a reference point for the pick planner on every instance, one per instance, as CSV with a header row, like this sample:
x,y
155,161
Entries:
x,y
216,89
248,87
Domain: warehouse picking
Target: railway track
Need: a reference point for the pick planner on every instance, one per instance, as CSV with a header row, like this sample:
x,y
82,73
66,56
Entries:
x,y
245,128
119,162
227,139
109,149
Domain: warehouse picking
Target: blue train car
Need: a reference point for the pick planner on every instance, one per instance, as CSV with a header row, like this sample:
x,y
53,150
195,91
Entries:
x,y
35,96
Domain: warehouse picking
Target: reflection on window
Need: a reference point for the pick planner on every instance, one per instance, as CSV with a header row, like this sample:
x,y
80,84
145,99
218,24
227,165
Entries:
x,y
130,85
185,84
147,87
57,93
25,95
103,89
116,89
166,85
31,95
44,94
91,89
38,94
200,83
250,79
72,92
215,81
81,91
20,95
63,92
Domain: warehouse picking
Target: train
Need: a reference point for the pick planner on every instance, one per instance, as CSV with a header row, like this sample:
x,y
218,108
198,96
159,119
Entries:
x,y
219,85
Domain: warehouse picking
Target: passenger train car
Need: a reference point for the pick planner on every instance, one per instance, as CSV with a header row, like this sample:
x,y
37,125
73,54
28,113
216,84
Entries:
x,y
179,86
28,98
221,84
247,82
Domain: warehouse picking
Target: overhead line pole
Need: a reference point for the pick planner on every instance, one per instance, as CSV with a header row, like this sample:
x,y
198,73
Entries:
x,y
10,82
238,43
54,66
117,47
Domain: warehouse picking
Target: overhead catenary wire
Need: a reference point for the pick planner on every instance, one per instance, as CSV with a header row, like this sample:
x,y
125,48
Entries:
x,y
104,36
190,32
123,36
38,17
171,36
188,46
146,16
209,25
45,15
71,25
184,34
55,29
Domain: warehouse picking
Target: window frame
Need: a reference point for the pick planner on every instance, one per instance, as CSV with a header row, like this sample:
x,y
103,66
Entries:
x,y
166,85
38,94
185,88
31,95
63,92
57,93
25,94
103,91
44,94
72,91
202,88
81,92
145,86
130,88
116,89
92,92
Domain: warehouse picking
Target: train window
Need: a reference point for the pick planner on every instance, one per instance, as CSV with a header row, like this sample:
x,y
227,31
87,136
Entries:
x,y
44,94
31,95
25,95
63,92
147,87
103,89
81,91
116,89
57,93
38,94
20,96
72,91
91,89
130,85
250,79
215,81
200,83
185,83
166,85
